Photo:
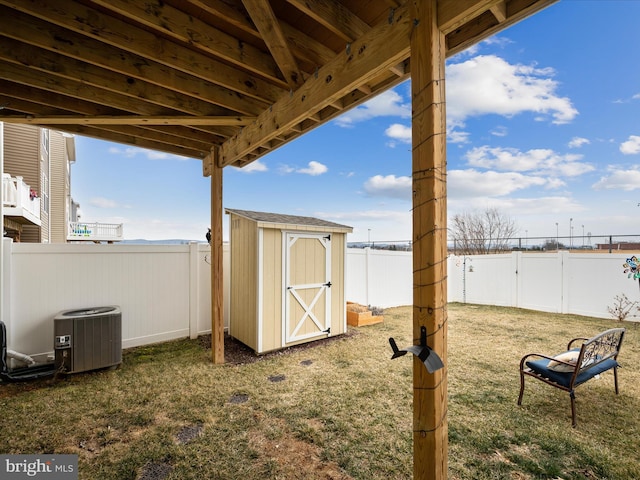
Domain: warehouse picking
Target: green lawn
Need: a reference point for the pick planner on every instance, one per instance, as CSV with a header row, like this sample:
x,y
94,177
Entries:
x,y
339,410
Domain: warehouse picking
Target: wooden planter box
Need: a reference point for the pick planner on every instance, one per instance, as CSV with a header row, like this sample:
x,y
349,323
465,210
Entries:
x,y
360,319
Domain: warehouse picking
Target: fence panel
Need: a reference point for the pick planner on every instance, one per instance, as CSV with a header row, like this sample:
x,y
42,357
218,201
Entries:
x,y
381,278
540,281
154,286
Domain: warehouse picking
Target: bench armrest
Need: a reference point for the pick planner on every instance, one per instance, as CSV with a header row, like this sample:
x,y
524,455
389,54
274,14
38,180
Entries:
x,y
577,339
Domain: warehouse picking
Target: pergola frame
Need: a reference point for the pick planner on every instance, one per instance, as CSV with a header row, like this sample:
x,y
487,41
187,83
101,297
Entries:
x,y
228,82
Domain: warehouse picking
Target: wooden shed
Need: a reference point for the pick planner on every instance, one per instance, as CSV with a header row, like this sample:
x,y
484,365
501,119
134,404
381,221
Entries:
x,y
287,279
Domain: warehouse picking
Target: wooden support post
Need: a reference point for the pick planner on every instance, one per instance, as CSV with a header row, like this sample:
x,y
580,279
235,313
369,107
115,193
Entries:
x,y
217,313
430,443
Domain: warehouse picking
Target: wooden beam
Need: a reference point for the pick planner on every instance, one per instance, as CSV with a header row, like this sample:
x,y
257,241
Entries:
x,y
217,292
455,13
172,22
108,29
333,16
430,442
28,76
381,48
128,120
500,11
35,32
472,30
267,24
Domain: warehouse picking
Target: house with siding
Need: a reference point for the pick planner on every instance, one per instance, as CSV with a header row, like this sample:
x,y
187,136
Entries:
x,y
37,183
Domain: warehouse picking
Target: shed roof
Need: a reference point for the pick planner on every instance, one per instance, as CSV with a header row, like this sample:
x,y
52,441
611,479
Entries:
x,y
280,220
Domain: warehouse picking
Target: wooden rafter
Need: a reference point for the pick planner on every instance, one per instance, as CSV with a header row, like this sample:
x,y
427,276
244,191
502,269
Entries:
x,y
337,78
128,120
267,24
114,31
333,16
181,26
39,35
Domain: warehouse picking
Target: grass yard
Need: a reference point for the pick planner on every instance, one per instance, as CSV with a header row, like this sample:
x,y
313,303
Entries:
x,y
339,410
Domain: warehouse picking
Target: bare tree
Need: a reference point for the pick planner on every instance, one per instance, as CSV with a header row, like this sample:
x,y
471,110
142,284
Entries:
x,y
481,232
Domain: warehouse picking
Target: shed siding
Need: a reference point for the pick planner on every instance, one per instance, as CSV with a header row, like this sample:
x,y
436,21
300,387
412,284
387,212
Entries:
x,y
338,300
272,285
244,274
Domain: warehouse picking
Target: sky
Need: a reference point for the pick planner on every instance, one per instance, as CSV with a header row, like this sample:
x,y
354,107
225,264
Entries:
x,y
543,124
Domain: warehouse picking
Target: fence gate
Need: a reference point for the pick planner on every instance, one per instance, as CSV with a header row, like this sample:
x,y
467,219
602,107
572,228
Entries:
x,y
307,295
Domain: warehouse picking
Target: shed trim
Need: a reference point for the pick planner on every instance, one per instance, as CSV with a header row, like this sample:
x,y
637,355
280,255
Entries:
x,y
290,222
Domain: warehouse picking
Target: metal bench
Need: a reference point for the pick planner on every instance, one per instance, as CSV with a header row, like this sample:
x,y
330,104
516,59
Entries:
x,y
579,364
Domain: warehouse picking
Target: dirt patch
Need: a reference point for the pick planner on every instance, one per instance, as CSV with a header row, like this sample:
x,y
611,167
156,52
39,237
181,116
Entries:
x,y
290,453
155,471
237,353
189,433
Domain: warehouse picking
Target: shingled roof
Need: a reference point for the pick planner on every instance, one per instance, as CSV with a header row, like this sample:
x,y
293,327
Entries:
x,y
289,221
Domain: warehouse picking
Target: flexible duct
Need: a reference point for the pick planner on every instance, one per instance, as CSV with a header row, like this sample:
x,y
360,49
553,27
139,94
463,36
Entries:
x,y
21,357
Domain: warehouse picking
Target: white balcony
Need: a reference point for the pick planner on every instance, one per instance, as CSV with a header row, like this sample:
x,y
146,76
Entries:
x,y
19,202
95,232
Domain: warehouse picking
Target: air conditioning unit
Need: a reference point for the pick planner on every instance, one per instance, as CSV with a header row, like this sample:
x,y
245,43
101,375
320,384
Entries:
x,y
87,339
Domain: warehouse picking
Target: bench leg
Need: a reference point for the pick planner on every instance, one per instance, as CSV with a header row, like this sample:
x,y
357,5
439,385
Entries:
x,y
572,395
521,388
615,378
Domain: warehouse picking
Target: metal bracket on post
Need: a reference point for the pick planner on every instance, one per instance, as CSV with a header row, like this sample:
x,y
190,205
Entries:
x,y
427,356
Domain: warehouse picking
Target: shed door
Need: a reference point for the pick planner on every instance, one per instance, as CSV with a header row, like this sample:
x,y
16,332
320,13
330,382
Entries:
x,y
307,296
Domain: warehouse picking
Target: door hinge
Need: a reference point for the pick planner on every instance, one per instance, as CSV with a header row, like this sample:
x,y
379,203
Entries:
x,y
328,237
328,330
328,284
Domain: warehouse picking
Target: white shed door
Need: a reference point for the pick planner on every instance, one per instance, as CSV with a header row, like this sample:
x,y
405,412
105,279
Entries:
x,y
307,296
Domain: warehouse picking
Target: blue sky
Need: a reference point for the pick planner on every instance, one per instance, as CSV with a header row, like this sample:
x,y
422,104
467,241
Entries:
x,y
543,124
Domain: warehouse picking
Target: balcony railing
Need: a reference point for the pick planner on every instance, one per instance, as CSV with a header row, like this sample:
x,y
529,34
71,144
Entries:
x,y
19,201
95,232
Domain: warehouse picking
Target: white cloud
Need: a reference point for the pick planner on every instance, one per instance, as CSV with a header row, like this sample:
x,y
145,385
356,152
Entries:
x,y
456,136
131,152
631,146
488,84
314,168
284,169
539,160
399,132
577,142
472,183
388,103
389,186
253,167
499,131
626,180
101,202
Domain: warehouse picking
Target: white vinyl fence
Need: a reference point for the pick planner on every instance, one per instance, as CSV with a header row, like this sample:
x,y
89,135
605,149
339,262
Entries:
x,y
562,282
164,291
